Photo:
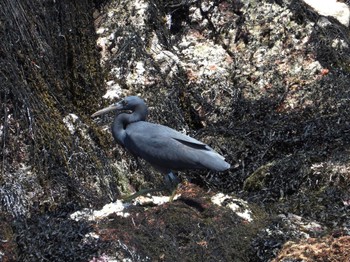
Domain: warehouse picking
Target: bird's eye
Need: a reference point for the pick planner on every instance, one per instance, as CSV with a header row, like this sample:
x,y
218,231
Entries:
x,y
124,103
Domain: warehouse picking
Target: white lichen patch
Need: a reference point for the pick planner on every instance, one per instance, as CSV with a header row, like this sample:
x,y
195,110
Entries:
x,y
117,208
113,90
70,122
75,125
138,75
168,61
114,28
238,206
106,258
204,60
156,200
92,235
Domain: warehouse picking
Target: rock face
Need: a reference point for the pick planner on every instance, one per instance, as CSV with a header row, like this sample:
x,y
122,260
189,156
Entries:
x,y
336,9
264,83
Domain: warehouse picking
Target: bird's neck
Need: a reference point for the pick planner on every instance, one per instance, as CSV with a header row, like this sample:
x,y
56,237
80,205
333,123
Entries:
x,y
140,113
119,126
123,120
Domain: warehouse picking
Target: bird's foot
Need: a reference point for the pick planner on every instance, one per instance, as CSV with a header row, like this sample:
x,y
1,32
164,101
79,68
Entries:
x,y
142,192
171,183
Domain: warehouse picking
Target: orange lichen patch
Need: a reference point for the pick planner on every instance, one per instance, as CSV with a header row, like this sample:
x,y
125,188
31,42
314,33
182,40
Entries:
x,y
324,71
229,59
192,76
202,243
213,67
317,249
196,34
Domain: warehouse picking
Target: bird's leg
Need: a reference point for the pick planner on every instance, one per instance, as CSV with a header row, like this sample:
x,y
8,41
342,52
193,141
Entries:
x,y
141,193
171,183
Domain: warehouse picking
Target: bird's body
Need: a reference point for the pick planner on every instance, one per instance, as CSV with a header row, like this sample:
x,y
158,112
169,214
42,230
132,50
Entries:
x,y
163,147
167,150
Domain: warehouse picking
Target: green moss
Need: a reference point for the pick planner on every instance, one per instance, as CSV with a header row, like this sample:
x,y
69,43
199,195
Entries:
x,y
256,181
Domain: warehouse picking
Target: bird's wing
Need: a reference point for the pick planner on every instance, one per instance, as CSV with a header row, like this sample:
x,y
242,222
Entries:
x,y
147,130
192,144
165,147
151,135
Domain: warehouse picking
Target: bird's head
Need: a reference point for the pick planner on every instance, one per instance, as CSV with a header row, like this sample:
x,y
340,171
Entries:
x,y
128,103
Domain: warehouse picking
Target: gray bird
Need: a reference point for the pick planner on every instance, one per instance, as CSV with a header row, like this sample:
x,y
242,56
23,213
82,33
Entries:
x,y
164,148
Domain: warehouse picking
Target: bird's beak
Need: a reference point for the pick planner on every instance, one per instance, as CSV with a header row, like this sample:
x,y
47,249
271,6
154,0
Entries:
x,y
107,109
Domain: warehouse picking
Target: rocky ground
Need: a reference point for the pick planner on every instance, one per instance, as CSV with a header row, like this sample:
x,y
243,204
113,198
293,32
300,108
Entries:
x,y
265,83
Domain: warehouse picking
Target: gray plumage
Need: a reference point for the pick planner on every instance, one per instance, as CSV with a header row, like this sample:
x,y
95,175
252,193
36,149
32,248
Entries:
x,y
164,148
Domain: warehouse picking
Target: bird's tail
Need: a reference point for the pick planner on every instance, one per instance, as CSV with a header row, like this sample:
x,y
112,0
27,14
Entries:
x,y
214,161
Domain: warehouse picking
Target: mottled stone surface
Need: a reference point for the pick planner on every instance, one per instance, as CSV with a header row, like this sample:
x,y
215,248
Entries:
x,y
265,83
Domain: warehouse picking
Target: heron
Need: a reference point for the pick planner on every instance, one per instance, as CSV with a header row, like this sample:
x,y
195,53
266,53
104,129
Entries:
x,y
164,148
